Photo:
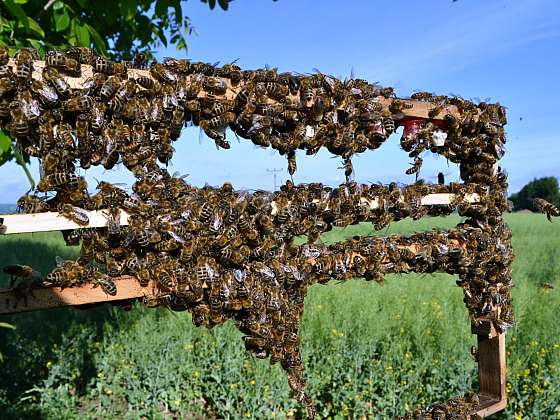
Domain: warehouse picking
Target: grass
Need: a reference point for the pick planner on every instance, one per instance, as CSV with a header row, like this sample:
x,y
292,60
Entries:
x,y
370,351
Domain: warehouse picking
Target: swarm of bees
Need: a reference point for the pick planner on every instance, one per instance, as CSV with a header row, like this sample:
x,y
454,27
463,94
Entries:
x,y
455,408
226,254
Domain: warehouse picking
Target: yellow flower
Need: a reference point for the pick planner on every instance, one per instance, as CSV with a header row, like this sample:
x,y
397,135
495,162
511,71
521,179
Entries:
x,y
100,374
49,364
252,382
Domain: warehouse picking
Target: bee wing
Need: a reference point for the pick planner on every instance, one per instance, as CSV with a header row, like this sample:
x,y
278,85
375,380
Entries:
x,y
111,145
59,261
176,237
239,275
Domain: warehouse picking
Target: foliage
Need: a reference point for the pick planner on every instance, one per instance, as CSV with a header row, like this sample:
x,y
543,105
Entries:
x,y
370,351
116,29
546,188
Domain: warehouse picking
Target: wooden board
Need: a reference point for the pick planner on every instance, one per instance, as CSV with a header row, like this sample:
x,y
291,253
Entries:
x,y
53,297
492,372
53,221
417,110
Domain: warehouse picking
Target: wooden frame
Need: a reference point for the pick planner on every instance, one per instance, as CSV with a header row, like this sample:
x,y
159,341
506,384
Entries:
x,y
417,110
53,221
491,344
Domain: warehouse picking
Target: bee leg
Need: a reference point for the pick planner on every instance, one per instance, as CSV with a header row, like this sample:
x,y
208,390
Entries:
x,y
12,282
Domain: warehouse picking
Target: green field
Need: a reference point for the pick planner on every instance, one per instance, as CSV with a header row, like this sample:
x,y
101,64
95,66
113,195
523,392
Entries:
x,y
370,351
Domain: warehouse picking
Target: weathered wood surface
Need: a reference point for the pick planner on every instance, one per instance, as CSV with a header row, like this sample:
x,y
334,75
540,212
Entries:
x,y
53,221
492,371
53,297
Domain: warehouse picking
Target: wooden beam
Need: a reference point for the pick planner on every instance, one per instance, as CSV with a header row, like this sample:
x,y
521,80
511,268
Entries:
x,y
417,109
491,369
53,221
54,297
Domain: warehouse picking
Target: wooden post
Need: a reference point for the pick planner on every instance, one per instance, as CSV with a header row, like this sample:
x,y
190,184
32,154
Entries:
x,y
491,369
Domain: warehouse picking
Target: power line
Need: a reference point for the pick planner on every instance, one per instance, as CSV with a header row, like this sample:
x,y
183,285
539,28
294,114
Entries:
x,y
274,171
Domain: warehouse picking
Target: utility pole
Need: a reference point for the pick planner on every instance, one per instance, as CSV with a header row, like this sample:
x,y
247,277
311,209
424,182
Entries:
x,y
274,172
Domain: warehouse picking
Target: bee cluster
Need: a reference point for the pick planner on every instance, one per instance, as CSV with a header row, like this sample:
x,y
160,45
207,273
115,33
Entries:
x,y
226,254
455,408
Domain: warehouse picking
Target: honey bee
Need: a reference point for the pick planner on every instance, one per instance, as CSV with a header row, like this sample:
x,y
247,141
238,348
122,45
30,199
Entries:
x,y
81,54
151,85
19,124
232,72
348,169
4,55
113,220
421,96
52,76
78,104
112,154
19,271
110,87
75,214
388,124
46,94
31,204
107,284
292,164
415,169
66,273
547,208
24,65
102,65
57,180
63,62
163,74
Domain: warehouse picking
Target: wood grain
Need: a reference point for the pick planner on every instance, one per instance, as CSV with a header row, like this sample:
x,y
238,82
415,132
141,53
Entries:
x,y
53,297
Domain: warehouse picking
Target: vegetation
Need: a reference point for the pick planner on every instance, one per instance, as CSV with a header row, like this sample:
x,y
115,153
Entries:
x,y
546,188
369,350
115,29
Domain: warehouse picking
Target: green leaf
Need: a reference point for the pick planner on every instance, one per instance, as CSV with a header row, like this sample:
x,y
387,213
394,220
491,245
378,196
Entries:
x,y
127,9
61,21
57,5
82,35
178,11
223,4
35,43
161,7
6,325
17,12
212,4
20,1
159,32
5,142
98,42
35,27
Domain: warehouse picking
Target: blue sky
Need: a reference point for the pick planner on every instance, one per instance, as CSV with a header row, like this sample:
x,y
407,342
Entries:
x,y
504,50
